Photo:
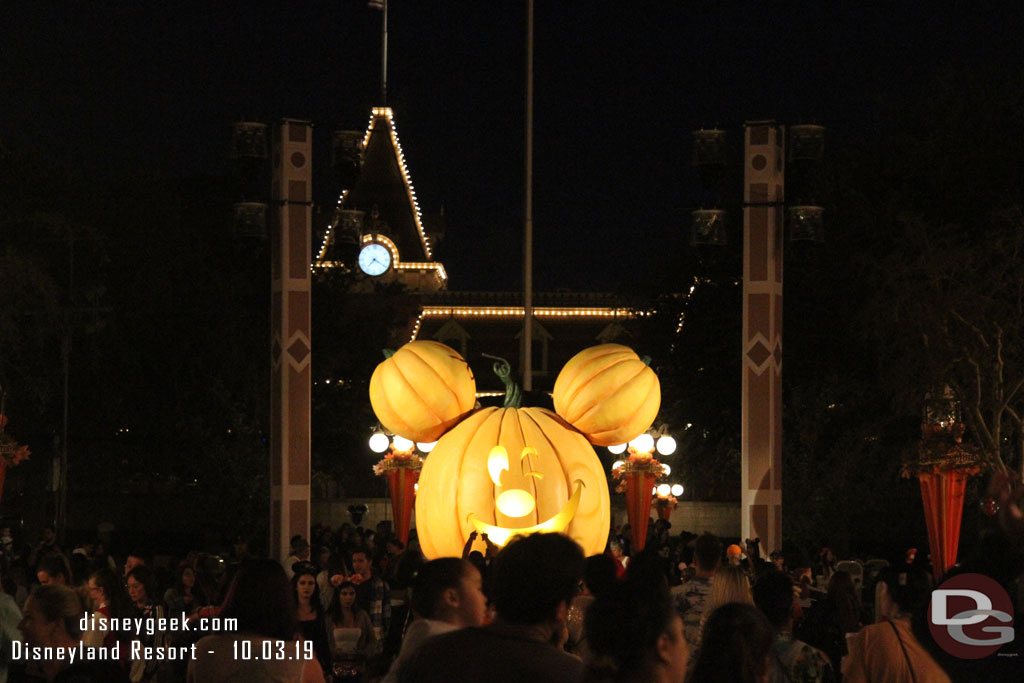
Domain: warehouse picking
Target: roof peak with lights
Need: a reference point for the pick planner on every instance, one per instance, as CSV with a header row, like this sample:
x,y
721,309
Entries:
x,y
385,193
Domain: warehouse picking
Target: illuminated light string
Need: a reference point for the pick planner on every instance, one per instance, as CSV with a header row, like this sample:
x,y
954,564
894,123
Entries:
x,y
387,113
511,311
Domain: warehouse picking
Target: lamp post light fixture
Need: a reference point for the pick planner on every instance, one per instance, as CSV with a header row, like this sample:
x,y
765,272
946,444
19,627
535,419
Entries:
x,y
379,442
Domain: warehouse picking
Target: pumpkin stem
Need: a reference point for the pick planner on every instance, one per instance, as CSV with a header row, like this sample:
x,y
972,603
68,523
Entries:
x,y
513,394
388,353
646,360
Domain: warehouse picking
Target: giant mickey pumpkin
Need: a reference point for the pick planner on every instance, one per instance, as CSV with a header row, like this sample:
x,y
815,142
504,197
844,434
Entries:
x,y
608,393
422,390
509,471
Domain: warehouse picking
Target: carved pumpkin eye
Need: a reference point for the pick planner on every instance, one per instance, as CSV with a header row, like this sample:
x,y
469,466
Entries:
x,y
514,502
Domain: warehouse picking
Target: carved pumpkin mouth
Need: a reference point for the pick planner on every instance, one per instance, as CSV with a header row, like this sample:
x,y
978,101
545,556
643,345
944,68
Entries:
x,y
556,523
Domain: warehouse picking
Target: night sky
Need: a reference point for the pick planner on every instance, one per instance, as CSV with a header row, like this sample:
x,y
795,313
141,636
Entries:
x,y
110,88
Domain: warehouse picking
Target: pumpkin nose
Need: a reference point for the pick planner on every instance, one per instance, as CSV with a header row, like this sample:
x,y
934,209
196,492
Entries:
x,y
515,503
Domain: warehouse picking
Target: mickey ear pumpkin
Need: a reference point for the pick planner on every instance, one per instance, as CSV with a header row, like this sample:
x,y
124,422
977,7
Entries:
x,y
422,390
608,393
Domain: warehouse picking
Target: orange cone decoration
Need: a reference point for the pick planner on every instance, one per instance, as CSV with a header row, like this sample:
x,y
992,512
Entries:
x,y
942,493
402,484
638,505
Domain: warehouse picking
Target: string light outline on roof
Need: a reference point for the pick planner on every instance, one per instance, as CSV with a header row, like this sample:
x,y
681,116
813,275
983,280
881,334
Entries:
x,y
387,113
327,236
513,311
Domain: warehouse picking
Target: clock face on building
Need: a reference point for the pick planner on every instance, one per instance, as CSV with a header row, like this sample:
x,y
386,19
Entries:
x,y
374,259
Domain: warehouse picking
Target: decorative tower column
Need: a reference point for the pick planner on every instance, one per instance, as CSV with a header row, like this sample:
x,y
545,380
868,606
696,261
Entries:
x,y
290,377
763,194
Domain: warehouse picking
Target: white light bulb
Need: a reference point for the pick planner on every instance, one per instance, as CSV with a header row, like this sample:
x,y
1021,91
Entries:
x,y
664,490
426,447
617,448
643,443
654,491
402,444
379,442
677,490
617,464
666,445
666,470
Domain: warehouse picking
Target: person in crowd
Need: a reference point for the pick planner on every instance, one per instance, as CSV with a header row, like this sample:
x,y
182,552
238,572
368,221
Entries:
x,y
734,555
736,646
447,594
108,599
101,558
47,546
778,560
390,563
888,650
185,596
371,593
326,568
533,580
634,634
825,565
792,660
598,579
350,633
826,622
134,559
618,553
80,567
300,553
52,619
10,552
729,584
310,611
260,599
141,586
53,569
690,598
10,615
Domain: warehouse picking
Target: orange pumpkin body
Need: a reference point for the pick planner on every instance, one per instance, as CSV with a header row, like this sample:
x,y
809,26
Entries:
x,y
607,393
422,390
456,484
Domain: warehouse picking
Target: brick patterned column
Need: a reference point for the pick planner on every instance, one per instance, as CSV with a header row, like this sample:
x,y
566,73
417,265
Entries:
x,y
763,194
290,377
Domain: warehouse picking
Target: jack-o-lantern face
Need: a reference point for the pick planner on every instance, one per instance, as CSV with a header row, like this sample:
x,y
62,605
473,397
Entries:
x,y
506,472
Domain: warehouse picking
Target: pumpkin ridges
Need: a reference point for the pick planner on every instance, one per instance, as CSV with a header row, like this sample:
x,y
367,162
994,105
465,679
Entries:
x,y
622,433
422,390
446,374
586,369
552,499
591,512
391,418
439,484
403,359
602,385
634,391
511,426
412,411
458,463
571,370
473,466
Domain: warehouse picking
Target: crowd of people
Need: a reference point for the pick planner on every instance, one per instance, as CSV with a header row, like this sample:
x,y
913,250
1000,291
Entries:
x,y
359,605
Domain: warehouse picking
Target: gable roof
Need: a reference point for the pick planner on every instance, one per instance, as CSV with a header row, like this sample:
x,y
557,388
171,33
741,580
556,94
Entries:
x,y
384,184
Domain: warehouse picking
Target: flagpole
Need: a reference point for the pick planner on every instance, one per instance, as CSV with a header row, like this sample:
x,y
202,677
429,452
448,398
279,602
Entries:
x,y
528,239
384,56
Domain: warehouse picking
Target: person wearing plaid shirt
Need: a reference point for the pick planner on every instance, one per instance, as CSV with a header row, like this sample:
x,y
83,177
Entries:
x,y
372,594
